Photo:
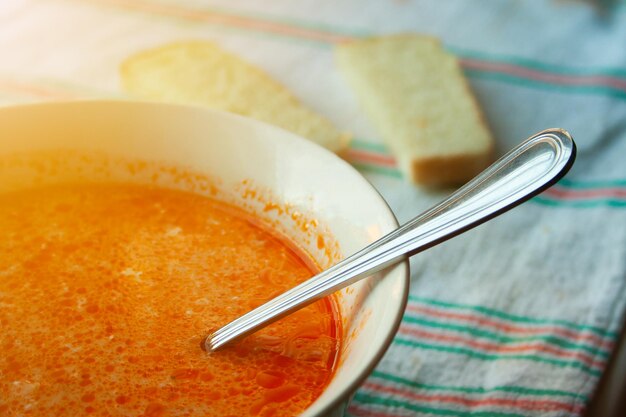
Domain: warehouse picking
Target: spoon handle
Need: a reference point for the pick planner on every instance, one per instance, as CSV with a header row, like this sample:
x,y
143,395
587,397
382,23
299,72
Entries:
x,y
522,173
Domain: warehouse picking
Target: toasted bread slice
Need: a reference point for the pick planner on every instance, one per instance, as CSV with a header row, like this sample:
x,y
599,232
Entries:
x,y
199,72
417,97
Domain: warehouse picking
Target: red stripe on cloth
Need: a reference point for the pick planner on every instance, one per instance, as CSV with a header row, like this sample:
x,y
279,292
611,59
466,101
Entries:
x,y
528,405
524,72
228,20
510,328
35,90
533,347
570,194
371,157
556,192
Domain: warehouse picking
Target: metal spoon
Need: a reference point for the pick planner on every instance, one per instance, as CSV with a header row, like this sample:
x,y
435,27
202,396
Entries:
x,y
525,171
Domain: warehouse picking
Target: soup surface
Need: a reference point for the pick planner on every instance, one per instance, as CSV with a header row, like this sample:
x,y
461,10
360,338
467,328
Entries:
x,y
106,292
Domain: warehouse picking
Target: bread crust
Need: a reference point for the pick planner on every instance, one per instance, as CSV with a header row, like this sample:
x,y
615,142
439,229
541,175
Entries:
x,y
449,170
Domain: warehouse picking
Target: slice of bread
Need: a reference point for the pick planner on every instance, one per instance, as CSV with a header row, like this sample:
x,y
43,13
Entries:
x,y
199,72
417,97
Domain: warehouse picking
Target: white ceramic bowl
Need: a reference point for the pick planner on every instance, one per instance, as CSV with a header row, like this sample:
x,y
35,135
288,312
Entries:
x,y
239,152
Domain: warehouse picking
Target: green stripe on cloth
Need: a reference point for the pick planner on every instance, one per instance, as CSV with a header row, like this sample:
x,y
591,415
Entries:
x,y
514,317
478,332
478,390
591,184
582,204
365,145
376,169
492,356
361,398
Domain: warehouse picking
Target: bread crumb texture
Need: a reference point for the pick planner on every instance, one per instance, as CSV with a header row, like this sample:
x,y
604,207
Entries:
x,y
201,73
415,94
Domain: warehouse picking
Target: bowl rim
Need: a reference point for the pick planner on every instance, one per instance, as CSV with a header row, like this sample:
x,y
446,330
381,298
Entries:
x,y
403,267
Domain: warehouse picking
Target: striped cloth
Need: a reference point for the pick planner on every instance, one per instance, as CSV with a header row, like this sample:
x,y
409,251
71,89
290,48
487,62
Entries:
x,y
515,318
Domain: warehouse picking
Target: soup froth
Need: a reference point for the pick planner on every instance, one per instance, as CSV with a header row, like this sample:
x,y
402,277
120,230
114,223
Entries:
x,y
106,292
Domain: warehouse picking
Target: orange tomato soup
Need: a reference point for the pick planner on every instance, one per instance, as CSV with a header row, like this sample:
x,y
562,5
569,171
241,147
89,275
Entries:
x,y
106,292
